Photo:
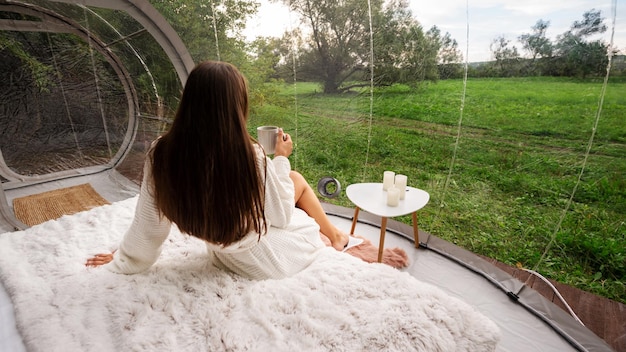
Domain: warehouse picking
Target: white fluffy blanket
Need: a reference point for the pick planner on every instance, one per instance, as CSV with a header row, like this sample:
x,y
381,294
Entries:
x,y
182,303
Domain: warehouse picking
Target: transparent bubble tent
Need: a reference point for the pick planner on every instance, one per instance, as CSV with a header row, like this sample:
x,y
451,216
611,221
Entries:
x,y
88,85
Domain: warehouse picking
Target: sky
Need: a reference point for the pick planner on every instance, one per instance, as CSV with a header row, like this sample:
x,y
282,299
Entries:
x,y
487,19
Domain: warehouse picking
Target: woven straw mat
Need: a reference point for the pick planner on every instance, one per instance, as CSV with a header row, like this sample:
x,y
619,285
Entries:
x,y
38,208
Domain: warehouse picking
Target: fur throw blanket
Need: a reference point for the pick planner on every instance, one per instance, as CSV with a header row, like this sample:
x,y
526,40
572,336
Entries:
x,y
183,303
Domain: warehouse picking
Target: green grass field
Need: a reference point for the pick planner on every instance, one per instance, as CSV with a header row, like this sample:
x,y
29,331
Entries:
x,y
521,147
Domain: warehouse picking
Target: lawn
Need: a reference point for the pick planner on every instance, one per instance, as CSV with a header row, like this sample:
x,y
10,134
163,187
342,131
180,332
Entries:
x,y
500,163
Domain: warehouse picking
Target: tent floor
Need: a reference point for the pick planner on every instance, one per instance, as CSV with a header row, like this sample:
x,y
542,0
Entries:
x,y
605,317
521,330
461,276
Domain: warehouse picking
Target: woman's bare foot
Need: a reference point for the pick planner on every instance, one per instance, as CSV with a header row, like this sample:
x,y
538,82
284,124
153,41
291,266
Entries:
x,y
339,241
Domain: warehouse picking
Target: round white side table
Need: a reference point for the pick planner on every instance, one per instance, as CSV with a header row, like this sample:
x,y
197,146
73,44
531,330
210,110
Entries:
x,y
371,198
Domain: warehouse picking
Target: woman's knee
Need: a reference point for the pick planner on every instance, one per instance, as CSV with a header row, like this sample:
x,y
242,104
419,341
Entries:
x,y
300,185
297,178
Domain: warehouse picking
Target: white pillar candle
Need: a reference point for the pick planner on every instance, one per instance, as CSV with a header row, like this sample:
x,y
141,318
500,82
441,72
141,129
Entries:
x,y
400,184
393,197
388,177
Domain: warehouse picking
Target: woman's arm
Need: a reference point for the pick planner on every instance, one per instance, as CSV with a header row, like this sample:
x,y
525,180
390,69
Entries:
x,y
141,245
279,188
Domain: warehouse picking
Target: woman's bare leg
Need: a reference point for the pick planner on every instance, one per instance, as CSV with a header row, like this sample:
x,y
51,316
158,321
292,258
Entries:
x,y
307,200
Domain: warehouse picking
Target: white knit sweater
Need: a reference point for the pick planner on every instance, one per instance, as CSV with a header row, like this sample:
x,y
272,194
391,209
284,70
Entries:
x,y
291,243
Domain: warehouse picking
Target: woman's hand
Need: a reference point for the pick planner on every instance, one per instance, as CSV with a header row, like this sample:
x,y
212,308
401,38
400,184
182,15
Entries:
x,y
100,259
284,144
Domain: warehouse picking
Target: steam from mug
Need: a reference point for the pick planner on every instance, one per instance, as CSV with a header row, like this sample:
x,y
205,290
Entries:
x,y
266,135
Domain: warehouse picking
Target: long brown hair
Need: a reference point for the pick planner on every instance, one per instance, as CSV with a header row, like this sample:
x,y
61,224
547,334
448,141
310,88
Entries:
x,y
204,168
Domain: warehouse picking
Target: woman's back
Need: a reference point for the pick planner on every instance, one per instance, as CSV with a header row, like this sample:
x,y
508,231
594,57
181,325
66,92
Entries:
x,y
205,173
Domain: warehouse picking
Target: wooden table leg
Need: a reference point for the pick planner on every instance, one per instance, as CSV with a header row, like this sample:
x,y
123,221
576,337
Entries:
x,y
415,231
381,244
354,220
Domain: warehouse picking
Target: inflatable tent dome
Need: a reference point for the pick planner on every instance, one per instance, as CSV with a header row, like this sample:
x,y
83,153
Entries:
x,y
82,99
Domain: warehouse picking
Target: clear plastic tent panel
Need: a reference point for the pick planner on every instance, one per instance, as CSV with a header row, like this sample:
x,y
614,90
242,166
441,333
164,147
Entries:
x,y
78,89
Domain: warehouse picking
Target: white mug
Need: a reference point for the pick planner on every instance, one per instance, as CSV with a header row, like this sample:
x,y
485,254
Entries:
x,y
266,135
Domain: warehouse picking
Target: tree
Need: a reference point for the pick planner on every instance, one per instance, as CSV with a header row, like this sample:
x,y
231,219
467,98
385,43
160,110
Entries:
x,y
536,43
506,56
210,28
337,41
449,56
592,23
579,56
403,53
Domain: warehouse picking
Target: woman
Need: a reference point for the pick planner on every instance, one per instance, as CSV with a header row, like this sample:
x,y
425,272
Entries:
x,y
210,178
